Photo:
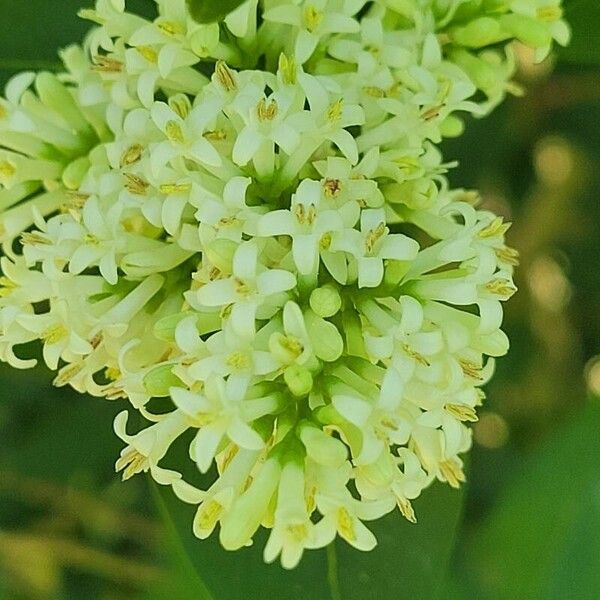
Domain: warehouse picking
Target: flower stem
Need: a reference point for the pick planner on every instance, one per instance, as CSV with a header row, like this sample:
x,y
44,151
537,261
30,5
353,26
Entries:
x,y
332,572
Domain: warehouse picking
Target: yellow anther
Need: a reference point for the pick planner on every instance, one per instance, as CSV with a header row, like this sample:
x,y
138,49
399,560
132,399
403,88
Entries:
x,y
287,68
6,287
406,508
131,463
175,188
304,216
452,473
33,238
91,239
112,373
136,184
345,525
171,28
298,532
374,92
224,458
148,53
266,110
462,412
332,187
325,241
76,199
7,170
174,132
202,419
54,334
374,236
508,255
335,111
242,288
225,76
238,360
311,501
431,113
312,18
215,135
96,340
496,228
208,514
181,105
131,155
105,64
292,345
408,164
228,222
549,14
471,369
501,287
68,373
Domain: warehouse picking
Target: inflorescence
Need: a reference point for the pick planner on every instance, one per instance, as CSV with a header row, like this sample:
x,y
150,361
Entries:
x,y
251,221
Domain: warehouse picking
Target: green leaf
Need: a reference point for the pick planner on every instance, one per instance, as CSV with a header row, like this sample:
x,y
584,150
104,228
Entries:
x,y
584,18
209,11
410,560
543,539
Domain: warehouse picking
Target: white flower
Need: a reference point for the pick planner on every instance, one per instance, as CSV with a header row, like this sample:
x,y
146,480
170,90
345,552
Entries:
x,y
372,244
248,289
343,514
218,411
308,222
292,527
184,135
314,20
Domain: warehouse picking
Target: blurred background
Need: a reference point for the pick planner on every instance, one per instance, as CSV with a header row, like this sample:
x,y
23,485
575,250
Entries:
x,y
527,525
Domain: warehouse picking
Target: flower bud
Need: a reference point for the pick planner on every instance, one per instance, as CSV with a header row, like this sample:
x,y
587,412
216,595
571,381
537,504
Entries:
x,y
478,33
325,301
158,381
298,379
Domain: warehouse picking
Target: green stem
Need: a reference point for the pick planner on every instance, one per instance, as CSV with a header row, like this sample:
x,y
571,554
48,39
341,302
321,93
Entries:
x,y
201,591
332,572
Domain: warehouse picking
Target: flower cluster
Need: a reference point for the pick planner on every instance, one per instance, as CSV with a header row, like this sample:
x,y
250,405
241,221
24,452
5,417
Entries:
x,y
251,221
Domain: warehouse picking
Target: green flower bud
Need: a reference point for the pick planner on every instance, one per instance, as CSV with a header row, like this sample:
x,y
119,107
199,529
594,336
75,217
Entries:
x,y
452,126
75,172
325,301
321,447
164,329
478,33
324,336
298,379
160,380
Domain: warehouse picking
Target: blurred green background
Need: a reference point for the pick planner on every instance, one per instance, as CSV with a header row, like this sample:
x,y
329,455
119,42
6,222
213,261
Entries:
x,y
527,524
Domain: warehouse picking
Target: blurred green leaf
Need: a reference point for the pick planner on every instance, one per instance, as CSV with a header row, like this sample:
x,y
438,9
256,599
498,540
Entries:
x,y
209,11
36,30
409,562
186,583
543,539
584,18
